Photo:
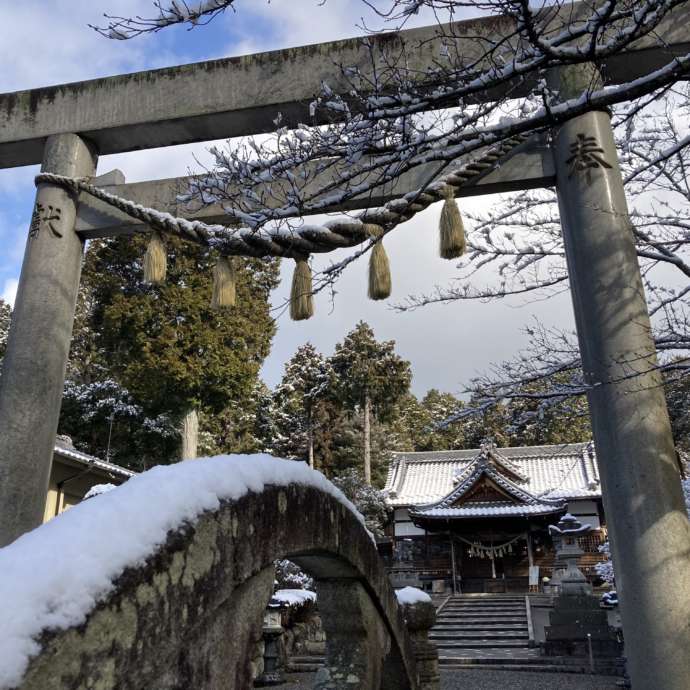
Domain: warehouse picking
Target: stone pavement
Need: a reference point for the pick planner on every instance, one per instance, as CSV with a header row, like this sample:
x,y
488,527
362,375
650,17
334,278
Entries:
x,y
493,680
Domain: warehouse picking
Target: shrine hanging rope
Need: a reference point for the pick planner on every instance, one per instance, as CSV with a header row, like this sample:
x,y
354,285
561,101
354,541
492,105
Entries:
x,y
297,243
478,549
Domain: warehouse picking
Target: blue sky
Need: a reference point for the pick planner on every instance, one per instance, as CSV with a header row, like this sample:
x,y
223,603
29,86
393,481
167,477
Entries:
x,y
50,42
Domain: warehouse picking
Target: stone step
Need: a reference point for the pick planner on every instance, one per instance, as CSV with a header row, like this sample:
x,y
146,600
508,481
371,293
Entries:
x,y
487,599
302,668
479,634
528,663
476,629
480,644
485,595
304,664
484,604
486,609
481,613
484,621
534,668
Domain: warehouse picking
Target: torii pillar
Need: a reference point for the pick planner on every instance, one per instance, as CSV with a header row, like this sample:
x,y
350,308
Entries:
x,y
38,346
647,520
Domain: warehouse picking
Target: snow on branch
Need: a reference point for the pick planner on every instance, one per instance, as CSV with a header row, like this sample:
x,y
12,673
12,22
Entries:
x,y
174,12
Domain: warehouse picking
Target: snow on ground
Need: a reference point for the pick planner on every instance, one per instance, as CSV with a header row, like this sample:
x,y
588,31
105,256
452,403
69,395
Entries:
x,y
294,597
411,595
91,544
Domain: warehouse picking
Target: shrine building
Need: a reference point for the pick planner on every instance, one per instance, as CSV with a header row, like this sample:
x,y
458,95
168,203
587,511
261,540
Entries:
x,y
477,520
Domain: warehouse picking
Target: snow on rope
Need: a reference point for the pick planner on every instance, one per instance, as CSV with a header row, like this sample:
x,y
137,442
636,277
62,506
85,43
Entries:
x,y
296,243
91,544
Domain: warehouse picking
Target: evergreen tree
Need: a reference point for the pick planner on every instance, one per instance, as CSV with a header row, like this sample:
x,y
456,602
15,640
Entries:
x,y
307,381
5,318
347,446
422,419
165,344
104,419
370,502
371,378
242,427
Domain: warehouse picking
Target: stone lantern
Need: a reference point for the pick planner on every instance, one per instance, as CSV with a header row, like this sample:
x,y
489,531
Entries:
x,y
272,632
567,576
578,625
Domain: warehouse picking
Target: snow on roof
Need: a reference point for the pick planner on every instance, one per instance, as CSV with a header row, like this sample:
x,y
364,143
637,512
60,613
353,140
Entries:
x,y
91,544
557,471
61,448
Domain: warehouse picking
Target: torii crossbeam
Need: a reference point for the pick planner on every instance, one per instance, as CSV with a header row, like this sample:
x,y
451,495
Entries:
x,y
67,126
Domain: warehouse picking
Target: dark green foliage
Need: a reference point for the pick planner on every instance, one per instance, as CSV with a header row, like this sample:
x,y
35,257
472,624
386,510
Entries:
x,y
417,422
365,366
297,402
165,344
370,379
347,447
242,427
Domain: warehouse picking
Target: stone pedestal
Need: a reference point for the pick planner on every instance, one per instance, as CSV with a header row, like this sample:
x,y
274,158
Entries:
x,y
577,621
420,618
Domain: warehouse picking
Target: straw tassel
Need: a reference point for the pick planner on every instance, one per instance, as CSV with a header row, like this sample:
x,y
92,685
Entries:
x,y
156,260
380,283
451,229
301,302
224,284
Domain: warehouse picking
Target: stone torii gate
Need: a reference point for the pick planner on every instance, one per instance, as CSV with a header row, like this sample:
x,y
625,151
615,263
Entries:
x,y
66,127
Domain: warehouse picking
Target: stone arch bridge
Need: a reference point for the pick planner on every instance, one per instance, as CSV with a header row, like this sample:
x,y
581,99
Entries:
x,y
190,616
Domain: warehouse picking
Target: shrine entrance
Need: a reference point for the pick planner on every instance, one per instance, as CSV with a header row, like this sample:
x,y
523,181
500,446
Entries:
x,y
497,529
494,562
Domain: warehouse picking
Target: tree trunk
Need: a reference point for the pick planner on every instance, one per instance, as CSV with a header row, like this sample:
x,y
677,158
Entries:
x,y
190,434
310,441
367,439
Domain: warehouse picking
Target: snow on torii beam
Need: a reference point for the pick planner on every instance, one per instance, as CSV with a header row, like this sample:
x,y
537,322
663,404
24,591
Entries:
x,y
242,95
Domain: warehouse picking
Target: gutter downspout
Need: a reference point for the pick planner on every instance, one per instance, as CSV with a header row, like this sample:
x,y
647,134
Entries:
x,y
62,483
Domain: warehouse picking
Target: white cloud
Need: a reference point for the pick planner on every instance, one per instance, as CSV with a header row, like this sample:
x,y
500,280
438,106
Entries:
x,y
9,291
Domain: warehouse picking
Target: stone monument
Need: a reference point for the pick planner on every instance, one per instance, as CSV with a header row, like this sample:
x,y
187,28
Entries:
x,y
578,625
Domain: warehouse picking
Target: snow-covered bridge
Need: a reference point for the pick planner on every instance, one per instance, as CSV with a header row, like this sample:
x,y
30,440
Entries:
x,y
162,583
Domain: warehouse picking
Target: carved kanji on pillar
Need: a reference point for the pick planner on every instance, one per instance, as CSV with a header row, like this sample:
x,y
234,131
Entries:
x,y
586,154
46,216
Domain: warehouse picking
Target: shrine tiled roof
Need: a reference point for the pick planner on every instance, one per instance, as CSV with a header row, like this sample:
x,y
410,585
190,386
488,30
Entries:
x,y
546,472
491,509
